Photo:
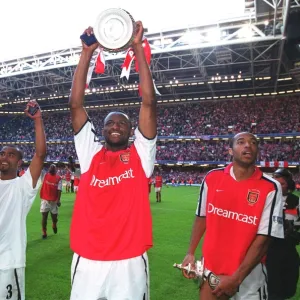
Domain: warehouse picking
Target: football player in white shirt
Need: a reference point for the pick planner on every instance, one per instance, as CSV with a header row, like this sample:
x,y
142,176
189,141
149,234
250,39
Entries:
x,y
16,198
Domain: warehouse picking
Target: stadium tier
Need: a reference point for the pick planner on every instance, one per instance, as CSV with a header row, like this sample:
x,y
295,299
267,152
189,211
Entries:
x,y
199,120
214,152
227,67
189,134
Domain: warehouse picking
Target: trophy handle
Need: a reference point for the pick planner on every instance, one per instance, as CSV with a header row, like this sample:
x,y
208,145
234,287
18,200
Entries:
x,y
203,274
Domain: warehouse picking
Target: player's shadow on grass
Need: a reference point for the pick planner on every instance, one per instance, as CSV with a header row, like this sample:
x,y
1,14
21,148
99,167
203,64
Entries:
x,y
38,241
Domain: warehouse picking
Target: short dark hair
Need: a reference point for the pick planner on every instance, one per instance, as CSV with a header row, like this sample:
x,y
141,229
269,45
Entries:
x,y
119,113
232,140
20,152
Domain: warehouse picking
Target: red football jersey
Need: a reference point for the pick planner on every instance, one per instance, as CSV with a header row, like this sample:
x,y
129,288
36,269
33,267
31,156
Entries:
x,y
112,217
236,211
50,187
158,181
68,176
76,181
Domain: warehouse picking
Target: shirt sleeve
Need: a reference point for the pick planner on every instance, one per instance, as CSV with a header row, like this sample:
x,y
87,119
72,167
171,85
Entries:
x,y
29,191
201,207
146,150
271,222
87,145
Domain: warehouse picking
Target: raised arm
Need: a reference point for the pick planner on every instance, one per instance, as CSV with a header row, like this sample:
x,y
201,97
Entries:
x,y
198,231
76,101
199,228
37,162
147,117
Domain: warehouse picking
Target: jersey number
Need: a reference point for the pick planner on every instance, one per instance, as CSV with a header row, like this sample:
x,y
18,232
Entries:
x,y
9,291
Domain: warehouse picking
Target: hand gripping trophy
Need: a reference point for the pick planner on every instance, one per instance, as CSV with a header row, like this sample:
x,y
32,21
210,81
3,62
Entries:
x,y
201,273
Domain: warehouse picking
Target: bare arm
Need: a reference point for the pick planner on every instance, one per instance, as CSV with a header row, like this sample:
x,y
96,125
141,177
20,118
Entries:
x,y
76,101
199,228
147,117
37,162
78,112
197,233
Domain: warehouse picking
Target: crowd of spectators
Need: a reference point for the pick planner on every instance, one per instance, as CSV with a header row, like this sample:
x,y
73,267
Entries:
x,y
193,151
296,177
55,152
280,115
270,150
182,176
186,176
263,116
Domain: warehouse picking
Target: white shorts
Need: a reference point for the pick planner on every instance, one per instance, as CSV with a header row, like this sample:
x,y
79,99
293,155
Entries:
x,y
12,284
254,287
47,206
157,189
68,183
75,188
126,279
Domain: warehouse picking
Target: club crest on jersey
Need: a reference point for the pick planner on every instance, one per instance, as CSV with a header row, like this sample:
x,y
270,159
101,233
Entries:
x,y
252,196
124,157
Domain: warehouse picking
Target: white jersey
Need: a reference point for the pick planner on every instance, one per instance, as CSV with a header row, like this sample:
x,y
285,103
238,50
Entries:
x,y
16,198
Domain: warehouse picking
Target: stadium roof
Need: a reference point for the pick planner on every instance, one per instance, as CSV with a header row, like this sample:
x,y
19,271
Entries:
x,y
246,56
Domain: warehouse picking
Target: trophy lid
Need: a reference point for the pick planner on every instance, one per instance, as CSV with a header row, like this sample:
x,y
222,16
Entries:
x,y
114,29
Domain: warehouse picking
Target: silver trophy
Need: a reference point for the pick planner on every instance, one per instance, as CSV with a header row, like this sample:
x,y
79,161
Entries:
x,y
115,29
201,273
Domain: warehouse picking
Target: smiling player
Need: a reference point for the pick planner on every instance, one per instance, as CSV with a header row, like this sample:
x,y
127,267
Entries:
x,y
16,198
111,227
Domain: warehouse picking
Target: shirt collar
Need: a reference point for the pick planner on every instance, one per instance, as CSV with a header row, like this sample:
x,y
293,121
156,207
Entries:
x,y
256,175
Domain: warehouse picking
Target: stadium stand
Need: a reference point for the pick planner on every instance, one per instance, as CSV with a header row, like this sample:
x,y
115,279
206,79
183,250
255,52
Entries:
x,y
264,116
187,133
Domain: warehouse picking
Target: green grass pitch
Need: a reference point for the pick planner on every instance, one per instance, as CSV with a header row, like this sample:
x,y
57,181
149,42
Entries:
x,y
48,261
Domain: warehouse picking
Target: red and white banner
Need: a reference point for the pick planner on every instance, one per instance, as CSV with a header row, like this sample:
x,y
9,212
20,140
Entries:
x,y
126,67
130,57
98,63
147,51
274,164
